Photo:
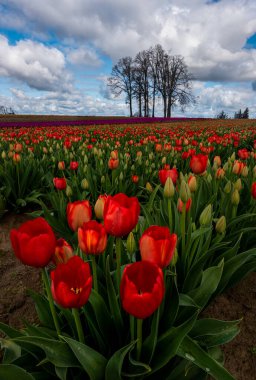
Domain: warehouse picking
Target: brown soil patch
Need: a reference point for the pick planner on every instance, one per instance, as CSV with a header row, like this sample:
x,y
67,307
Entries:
x,y
15,278
237,303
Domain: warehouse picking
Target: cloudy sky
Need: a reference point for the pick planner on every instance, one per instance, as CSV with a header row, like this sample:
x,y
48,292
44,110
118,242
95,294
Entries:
x,y
55,55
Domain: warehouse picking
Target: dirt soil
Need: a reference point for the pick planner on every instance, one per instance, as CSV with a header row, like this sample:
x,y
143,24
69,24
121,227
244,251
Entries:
x,y
239,302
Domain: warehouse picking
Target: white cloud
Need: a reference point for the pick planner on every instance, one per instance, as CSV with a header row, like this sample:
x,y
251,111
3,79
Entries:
x,y
85,57
74,103
38,66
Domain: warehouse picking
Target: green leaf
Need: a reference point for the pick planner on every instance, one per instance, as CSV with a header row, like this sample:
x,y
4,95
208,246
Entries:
x,y
61,372
186,300
103,318
169,342
10,331
92,362
213,332
42,308
11,351
58,353
191,351
210,281
135,368
115,363
112,299
11,372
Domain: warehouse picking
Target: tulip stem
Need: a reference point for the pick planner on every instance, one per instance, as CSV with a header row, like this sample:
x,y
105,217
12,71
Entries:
x,y
182,227
132,327
139,337
94,273
50,300
170,213
118,261
78,325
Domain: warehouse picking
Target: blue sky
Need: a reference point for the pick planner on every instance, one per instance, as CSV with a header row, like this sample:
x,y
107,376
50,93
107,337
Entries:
x,y
55,56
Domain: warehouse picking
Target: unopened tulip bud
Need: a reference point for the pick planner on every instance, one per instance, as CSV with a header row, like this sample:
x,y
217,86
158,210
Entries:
x,y
184,192
209,178
99,206
233,157
69,191
206,216
221,225
238,185
10,154
102,180
61,165
169,189
228,187
131,244
85,159
244,172
235,198
50,150
164,160
84,184
16,158
3,155
121,176
192,183
149,187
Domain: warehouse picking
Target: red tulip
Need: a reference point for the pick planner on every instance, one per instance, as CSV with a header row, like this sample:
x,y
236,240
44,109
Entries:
x,y
253,192
61,165
60,183
73,165
121,214
180,205
135,178
142,288
92,238
34,242
157,245
164,174
71,283
113,163
63,252
198,163
78,212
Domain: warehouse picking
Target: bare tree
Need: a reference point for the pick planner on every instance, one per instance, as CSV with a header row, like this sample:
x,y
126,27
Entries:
x,y
153,73
122,78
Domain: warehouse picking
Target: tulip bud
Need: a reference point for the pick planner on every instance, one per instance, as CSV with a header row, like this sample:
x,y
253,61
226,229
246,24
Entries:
x,y
3,155
226,166
164,160
206,216
69,191
235,198
227,187
209,178
102,180
149,187
233,157
184,192
169,189
238,185
192,183
85,159
121,176
61,165
131,244
84,184
221,225
244,172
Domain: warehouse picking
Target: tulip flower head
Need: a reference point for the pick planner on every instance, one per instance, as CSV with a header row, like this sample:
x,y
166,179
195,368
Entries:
x,y
142,288
157,245
198,163
121,214
34,243
78,212
71,283
60,183
92,238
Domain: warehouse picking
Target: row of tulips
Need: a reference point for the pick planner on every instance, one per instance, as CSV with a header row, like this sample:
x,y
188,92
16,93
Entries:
x,y
136,231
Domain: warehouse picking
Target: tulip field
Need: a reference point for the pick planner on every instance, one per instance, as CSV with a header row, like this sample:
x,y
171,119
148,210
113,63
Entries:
x,y
136,228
